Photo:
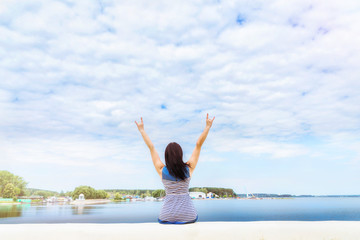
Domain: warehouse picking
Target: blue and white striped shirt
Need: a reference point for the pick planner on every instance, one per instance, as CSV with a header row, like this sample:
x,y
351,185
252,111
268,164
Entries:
x,y
178,206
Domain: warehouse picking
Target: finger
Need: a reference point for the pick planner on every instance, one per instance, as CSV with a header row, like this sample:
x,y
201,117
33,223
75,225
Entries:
x,y
207,116
141,119
136,123
213,119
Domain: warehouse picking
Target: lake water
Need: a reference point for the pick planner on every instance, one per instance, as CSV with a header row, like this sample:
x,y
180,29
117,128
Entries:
x,y
296,209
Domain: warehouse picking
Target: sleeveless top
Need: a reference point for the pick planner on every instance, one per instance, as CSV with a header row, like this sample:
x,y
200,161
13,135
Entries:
x,y
177,207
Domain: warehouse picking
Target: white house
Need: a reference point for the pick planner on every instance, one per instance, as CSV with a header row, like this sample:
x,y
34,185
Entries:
x,y
210,195
81,197
197,194
149,198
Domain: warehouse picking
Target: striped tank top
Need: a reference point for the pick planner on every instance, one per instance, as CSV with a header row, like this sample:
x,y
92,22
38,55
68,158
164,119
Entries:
x,y
178,207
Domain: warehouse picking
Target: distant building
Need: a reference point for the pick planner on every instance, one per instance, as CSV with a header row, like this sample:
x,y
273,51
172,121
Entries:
x,y
197,194
63,199
81,197
52,199
149,198
210,195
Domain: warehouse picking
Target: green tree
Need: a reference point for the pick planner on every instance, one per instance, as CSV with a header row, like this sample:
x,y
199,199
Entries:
x,y
18,183
101,194
44,194
69,194
27,192
89,192
204,190
9,191
158,193
117,196
17,191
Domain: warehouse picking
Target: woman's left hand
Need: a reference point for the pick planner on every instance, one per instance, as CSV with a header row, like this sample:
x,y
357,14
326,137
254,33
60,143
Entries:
x,y
140,125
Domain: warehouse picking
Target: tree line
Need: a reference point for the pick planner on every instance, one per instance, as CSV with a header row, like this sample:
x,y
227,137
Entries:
x,y
12,186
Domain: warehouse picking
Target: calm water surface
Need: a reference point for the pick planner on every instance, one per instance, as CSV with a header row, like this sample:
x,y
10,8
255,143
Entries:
x,y
296,209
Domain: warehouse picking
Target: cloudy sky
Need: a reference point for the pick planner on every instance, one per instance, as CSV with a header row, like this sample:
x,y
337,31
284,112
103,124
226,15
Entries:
x,y
280,77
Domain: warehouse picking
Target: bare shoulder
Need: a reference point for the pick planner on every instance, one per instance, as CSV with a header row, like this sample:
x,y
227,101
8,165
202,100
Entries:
x,y
160,171
191,169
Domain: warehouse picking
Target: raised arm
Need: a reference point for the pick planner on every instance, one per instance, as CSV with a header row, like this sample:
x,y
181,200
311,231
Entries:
x,y
154,154
196,153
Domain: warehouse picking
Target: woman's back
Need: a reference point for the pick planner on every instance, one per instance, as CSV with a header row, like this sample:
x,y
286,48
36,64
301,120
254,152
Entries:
x,y
178,206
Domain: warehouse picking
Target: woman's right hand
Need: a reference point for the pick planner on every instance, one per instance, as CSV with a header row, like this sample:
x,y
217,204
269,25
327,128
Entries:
x,y
209,121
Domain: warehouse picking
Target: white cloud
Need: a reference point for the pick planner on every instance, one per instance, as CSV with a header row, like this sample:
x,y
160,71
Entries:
x,y
84,71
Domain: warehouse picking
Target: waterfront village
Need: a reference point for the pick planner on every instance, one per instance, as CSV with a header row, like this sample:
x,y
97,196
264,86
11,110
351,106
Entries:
x,y
114,198
13,190
82,200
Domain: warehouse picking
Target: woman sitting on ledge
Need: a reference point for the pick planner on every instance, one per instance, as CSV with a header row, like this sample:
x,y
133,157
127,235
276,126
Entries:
x,y
175,175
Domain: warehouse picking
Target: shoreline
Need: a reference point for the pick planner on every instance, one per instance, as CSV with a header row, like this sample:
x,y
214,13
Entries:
x,y
90,201
10,203
277,230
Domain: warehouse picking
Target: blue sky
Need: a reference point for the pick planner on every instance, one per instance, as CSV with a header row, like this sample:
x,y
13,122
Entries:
x,y
280,77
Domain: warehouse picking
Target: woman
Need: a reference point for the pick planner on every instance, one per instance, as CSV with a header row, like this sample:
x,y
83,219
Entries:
x,y
176,175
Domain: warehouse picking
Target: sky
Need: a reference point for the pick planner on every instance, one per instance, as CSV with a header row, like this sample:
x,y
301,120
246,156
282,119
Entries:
x,y
281,78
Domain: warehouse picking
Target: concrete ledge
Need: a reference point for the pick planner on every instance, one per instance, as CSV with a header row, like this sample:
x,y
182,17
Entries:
x,y
267,230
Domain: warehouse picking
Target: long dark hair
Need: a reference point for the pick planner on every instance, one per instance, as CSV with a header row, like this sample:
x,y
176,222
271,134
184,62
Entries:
x,y
174,160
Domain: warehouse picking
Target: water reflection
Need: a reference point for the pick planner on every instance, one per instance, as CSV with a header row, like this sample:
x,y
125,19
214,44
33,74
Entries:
x,y
306,209
46,210
8,211
82,209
